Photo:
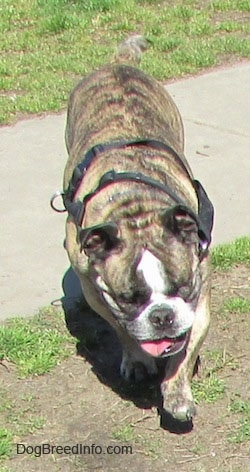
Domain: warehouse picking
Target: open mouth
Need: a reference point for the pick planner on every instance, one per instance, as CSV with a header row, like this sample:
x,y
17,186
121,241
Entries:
x,y
165,347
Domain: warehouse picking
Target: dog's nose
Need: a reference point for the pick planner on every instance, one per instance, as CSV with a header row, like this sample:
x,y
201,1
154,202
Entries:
x,y
162,317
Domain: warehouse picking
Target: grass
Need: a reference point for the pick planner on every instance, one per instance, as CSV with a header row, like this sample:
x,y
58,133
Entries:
x,y
237,305
47,45
124,433
208,389
242,408
218,359
127,434
225,256
20,418
5,443
35,345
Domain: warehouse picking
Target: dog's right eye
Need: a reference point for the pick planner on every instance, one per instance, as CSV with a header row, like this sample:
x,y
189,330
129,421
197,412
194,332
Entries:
x,y
97,242
137,297
93,243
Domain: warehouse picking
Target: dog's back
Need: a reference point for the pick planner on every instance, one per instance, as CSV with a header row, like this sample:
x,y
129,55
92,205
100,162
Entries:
x,y
118,102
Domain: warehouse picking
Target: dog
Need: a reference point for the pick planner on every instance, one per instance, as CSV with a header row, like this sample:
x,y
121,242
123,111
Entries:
x,y
139,225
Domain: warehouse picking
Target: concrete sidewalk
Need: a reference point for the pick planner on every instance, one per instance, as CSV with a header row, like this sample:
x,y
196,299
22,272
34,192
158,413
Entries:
x,y
215,108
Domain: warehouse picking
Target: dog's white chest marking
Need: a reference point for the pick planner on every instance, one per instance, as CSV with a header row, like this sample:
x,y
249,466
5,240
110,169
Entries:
x,y
153,272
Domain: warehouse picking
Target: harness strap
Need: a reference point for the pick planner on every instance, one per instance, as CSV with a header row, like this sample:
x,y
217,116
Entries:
x,y
81,169
204,219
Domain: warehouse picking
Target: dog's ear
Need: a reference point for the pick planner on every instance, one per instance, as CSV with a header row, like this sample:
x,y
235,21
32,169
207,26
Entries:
x,y
98,240
181,221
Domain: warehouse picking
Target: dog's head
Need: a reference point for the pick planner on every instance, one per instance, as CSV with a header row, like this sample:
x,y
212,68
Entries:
x,y
149,278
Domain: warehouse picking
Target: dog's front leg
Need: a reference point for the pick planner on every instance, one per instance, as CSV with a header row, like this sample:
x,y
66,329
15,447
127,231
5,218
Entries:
x,y
176,387
136,365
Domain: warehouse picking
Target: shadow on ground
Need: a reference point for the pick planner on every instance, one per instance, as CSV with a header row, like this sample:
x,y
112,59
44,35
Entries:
x,y
99,345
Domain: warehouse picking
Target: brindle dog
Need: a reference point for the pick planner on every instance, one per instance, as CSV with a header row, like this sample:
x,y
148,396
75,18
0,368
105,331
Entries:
x,y
139,225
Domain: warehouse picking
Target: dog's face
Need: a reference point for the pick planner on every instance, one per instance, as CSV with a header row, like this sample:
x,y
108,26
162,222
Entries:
x,y
148,277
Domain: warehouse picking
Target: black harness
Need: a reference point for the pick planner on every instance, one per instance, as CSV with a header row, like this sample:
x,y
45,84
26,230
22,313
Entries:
x,y
76,209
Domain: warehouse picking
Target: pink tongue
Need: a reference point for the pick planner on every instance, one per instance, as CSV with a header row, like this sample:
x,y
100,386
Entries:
x,y
156,348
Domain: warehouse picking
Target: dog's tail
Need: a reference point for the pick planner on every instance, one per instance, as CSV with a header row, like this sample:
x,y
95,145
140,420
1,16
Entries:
x,y
131,49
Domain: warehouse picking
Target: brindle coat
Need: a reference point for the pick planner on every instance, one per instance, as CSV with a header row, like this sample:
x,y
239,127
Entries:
x,y
119,102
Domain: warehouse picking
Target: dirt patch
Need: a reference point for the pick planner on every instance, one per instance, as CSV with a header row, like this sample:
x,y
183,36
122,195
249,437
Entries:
x,y
84,401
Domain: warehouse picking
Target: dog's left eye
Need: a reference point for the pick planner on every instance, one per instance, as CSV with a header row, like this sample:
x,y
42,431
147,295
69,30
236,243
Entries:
x,y
184,292
187,293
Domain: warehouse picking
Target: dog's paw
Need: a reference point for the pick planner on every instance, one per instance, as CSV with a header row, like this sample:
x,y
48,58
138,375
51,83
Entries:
x,y
179,404
137,367
180,409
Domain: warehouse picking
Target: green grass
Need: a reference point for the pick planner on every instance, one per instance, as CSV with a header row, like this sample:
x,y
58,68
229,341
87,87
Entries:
x,y
125,433
47,45
216,360
35,345
242,408
208,390
211,387
237,305
225,256
24,423
5,443
21,416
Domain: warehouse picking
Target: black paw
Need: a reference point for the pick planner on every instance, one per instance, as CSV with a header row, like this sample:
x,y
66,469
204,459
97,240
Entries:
x,y
136,370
